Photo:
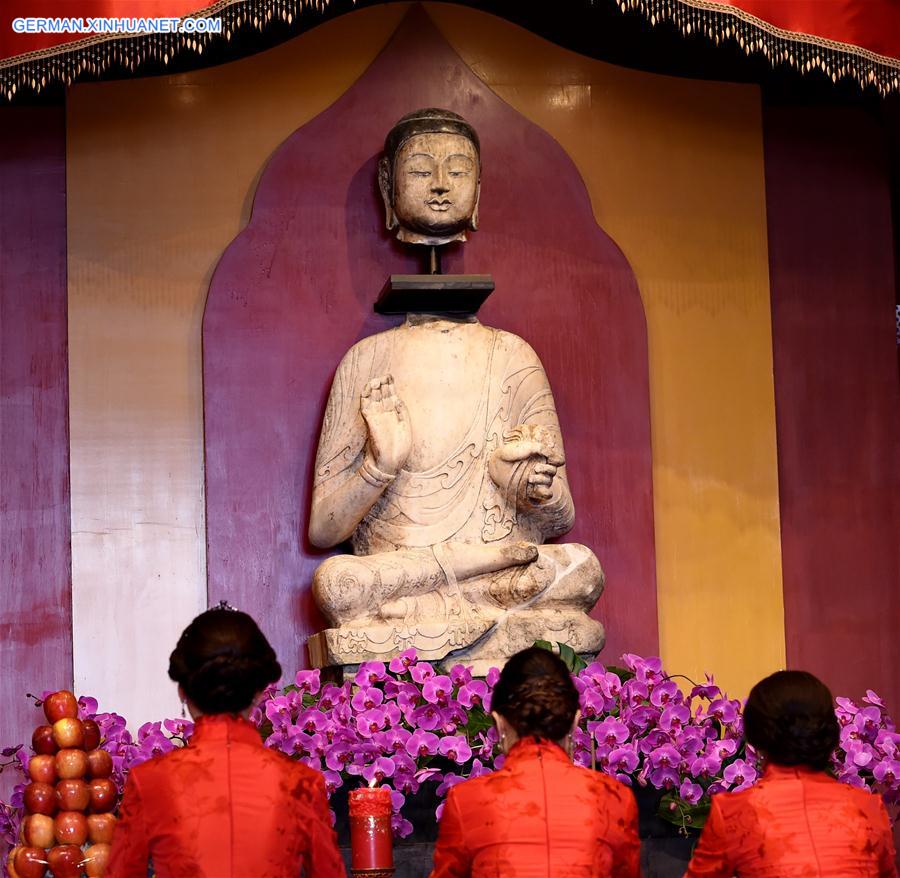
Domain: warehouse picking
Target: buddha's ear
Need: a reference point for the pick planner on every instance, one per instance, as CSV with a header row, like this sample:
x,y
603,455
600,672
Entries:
x,y
385,184
473,222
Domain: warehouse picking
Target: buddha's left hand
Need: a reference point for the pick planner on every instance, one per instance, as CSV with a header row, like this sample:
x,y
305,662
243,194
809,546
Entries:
x,y
536,445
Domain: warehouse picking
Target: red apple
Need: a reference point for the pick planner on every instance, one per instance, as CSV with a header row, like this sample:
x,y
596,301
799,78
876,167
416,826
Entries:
x,y
103,795
30,862
60,705
73,795
97,856
101,828
42,768
100,763
42,740
70,828
68,732
39,831
65,861
40,798
91,734
10,867
71,763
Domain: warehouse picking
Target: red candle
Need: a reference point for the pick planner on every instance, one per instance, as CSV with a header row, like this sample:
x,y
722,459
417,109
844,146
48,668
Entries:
x,y
371,843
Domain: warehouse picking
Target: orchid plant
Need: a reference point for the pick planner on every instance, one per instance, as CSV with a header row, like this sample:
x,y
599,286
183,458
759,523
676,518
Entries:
x,y
409,722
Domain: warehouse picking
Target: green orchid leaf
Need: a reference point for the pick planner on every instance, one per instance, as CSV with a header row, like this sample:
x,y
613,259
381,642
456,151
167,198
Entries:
x,y
690,819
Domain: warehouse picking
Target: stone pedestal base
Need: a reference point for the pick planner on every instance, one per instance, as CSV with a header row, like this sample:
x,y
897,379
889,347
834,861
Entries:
x,y
479,644
351,646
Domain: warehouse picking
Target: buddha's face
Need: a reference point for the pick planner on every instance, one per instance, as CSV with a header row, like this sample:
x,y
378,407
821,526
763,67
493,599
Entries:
x,y
435,185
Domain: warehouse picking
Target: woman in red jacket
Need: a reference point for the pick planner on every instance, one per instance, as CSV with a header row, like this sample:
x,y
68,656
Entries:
x,y
539,816
798,820
224,806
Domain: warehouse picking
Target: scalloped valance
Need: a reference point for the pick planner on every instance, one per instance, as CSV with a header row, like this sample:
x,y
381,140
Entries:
x,y
40,45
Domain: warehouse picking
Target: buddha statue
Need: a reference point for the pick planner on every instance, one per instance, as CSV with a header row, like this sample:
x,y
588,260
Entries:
x,y
441,461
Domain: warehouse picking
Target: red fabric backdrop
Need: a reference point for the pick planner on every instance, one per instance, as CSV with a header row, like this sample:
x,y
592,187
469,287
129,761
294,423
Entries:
x,y
831,265
35,601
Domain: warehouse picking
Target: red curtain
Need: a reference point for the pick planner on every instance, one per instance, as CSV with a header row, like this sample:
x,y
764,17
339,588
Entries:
x,y
13,44
869,24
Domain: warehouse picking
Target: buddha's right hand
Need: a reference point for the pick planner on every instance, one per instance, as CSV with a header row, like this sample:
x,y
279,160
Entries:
x,y
390,440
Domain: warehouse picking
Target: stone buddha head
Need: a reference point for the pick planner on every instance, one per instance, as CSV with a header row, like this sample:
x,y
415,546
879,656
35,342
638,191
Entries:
x,y
430,177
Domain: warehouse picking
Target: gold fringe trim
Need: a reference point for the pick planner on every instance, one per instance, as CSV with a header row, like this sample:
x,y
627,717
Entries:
x,y
95,54
803,52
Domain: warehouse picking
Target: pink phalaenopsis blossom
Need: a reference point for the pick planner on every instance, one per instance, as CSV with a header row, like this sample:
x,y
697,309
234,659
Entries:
x,y
740,774
308,682
437,689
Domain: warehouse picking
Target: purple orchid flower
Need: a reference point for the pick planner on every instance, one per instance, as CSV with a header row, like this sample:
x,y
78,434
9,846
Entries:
x,y
278,711
401,664
690,792
740,774
622,762
308,682
379,770
724,710
422,743
674,717
707,690
428,716
437,689
473,694
367,697
455,747
593,703
333,781
370,673
610,731
460,675
371,721
421,671
873,698
722,748
665,693
449,781
705,766
887,772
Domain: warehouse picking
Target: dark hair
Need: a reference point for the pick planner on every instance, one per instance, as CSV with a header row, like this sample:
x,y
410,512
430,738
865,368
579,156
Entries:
x,y
222,660
790,717
535,695
429,120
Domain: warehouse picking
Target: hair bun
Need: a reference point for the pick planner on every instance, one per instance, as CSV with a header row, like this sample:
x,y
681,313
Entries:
x,y
222,661
536,695
789,716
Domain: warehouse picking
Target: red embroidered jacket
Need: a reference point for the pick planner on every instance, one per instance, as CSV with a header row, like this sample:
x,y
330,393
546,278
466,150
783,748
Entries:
x,y
795,823
224,806
539,816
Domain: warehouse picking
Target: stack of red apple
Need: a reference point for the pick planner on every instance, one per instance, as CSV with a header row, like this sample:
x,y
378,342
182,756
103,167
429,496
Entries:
x,y
70,799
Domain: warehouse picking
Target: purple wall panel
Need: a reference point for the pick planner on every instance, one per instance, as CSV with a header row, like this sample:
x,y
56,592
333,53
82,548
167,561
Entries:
x,y
836,391
295,290
35,581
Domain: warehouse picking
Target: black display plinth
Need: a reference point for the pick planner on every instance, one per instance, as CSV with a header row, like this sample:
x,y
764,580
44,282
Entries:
x,y
664,851
660,858
434,293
